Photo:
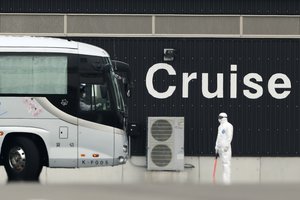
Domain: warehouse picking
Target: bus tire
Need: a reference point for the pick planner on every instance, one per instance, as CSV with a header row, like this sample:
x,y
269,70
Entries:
x,y
22,160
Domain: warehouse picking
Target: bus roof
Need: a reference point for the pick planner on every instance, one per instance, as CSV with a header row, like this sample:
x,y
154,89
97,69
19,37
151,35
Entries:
x,y
49,45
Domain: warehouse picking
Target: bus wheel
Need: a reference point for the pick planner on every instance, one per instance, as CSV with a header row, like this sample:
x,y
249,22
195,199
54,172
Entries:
x,y
22,160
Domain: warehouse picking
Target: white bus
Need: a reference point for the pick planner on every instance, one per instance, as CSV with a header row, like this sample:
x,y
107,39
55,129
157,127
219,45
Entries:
x,y
60,106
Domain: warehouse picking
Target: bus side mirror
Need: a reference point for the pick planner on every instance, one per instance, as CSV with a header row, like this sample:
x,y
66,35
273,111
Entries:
x,y
127,88
133,130
122,69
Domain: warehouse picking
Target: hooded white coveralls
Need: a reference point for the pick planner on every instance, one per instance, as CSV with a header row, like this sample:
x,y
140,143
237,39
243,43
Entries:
x,y
223,145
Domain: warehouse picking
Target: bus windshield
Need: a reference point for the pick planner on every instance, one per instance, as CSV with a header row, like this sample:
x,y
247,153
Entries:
x,y
95,88
118,92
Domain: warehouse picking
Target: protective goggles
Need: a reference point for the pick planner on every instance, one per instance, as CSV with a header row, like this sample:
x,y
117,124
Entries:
x,y
221,117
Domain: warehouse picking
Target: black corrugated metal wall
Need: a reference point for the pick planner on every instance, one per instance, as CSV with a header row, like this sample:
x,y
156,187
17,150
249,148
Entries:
x,y
263,127
253,7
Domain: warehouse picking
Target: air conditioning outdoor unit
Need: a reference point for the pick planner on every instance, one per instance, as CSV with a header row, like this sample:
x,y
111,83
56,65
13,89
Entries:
x,y
165,150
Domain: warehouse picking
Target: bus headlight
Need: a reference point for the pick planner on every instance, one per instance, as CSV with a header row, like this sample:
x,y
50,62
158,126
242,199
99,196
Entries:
x,y
122,160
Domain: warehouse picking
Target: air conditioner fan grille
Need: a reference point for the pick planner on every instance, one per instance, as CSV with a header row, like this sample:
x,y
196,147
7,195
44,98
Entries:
x,y
161,130
161,155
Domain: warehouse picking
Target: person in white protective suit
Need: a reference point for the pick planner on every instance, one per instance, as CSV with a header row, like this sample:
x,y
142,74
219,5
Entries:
x,y
223,145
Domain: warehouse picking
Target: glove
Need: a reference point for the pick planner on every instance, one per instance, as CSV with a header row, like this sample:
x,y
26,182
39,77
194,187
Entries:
x,y
216,153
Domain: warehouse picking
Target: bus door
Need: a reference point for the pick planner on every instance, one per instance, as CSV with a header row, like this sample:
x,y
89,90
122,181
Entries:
x,y
95,136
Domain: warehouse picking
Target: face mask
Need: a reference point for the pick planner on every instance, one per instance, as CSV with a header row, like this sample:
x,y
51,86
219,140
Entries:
x,y
220,118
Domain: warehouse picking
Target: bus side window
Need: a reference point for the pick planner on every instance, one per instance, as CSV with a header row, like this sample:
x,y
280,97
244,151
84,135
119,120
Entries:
x,y
94,97
85,102
101,97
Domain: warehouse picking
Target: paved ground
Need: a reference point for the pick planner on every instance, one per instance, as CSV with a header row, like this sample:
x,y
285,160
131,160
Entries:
x,y
25,191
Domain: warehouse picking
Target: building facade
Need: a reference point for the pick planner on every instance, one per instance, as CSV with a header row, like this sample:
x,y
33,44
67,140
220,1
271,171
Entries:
x,y
237,56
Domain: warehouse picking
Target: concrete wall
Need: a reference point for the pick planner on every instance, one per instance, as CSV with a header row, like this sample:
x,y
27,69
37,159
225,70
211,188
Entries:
x,y
245,170
52,24
150,25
